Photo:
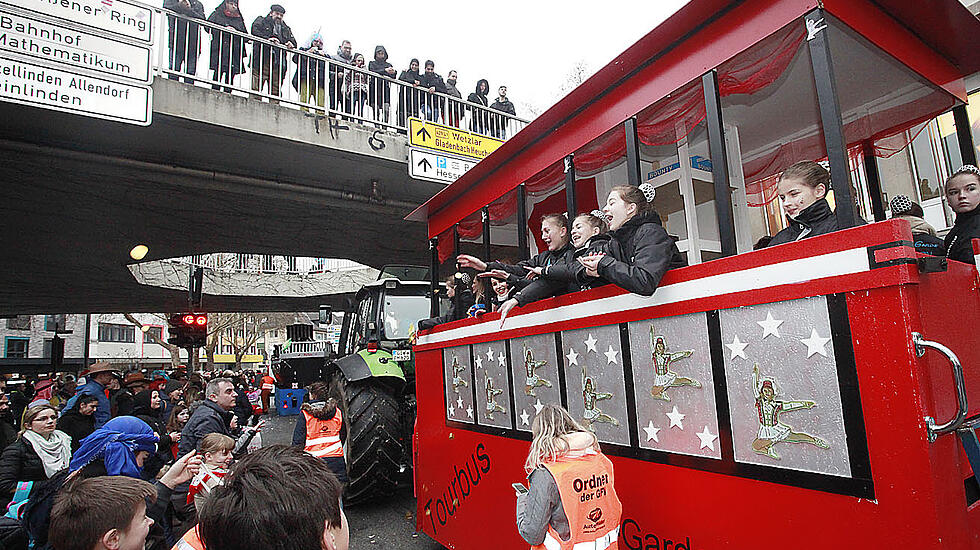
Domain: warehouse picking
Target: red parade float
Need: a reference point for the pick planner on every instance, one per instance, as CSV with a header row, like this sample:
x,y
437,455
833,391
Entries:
x,y
821,392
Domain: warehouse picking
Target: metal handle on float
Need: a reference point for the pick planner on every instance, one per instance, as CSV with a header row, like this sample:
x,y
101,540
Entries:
x,y
935,430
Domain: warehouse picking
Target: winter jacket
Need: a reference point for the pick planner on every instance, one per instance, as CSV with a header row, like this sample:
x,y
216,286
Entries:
x,y
311,67
504,106
478,97
77,425
816,219
958,241
924,236
196,9
7,432
409,97
380,67
380,91
121,403
265,55
143,411
451,90
243,407
227,49
573,272
479,118
432,80
459,304
641,252
207,418
103,410
19,462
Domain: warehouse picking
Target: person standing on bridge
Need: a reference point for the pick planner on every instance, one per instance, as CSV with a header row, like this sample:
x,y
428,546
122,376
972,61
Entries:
x,y
227,49
455,112
268,61
380,98
502,104
433,83
184,36
408,96
478,118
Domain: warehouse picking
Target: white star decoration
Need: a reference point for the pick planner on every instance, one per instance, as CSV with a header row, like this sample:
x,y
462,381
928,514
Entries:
x,y
676,418
738,348
590,343
652,432
525,417
538,406
452,410
479,361
502,359
469,412
572,357
770,326
489,354
707,439
815,344
610,355
459,402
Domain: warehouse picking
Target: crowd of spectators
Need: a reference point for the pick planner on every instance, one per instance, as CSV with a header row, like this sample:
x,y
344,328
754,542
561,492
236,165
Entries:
x,y
178,433
320,77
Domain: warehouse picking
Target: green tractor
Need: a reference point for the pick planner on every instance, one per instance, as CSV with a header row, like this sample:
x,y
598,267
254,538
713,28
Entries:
x,y
373,379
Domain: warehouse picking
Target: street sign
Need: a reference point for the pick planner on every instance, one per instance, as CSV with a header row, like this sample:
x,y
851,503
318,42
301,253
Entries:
x,y
64,46
450,140
438,167
119,17
32,84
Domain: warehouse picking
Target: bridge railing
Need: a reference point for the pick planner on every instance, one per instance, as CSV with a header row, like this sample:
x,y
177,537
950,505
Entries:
x,y
203,53
268,263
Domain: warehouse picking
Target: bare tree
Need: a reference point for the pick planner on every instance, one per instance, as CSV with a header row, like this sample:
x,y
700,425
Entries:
x,y
241,331
579,73
156,338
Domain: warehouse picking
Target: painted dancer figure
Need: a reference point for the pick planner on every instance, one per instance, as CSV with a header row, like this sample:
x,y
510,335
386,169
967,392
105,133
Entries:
x,y
664,377
771,430
532,380
592,413
457,381
492,405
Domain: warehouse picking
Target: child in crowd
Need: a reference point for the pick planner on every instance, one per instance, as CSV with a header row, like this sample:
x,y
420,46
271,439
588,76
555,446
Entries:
x,y
923,234
963,195
640,250
102,513
589,235
803,190
460,299
216,454
502,291
481,299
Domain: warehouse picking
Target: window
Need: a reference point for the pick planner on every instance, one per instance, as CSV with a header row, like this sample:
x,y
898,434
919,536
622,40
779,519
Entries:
x,y
21,322
54,322
124,334
16,348
226,349
148,336
46,349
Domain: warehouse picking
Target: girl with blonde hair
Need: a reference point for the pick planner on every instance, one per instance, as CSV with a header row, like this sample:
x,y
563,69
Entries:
x,y
555,512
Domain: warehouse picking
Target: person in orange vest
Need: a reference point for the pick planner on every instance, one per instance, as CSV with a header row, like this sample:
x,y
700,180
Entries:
x,y
321,430
571,498
268,386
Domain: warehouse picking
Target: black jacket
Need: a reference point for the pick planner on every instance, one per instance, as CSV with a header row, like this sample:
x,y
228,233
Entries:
x,y
227,50
77,425
380,92
816,219
207,418
8,433
459,304
427,81
311,67
958,241
19,462
264,55
573,272
504,106
641,252
143,411
196,10
478,97
243,407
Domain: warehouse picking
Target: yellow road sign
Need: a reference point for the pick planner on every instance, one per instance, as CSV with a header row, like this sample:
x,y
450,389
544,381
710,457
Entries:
x,y
450,140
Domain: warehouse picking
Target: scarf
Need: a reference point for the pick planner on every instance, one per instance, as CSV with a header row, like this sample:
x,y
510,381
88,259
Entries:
x,y
116,444
54,452
205,480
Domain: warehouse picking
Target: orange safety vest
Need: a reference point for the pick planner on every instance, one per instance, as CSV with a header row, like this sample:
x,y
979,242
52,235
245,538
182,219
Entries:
x,y
323,436
586,486
268,383
190,541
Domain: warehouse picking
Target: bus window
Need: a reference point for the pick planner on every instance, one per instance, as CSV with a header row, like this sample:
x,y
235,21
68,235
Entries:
x,y
503,228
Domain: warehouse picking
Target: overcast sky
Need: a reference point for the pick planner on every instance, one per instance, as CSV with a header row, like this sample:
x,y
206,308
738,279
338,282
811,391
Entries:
x,y
531,46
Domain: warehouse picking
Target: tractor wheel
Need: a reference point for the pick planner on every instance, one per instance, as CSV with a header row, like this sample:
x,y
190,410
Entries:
x,y
373,450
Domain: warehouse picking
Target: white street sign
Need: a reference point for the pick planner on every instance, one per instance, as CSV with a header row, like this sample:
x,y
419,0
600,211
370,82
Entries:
x,y
31,84
116,16
437,166
72,48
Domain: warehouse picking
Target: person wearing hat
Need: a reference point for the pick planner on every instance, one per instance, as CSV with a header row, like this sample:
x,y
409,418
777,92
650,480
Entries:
x,y
98,378
122,402
924,235
268,62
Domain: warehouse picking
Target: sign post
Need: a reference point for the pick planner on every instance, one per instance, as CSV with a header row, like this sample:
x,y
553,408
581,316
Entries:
x,y
437,166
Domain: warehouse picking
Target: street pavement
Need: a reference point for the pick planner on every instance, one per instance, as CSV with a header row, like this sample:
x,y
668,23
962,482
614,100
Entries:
x,y
381,525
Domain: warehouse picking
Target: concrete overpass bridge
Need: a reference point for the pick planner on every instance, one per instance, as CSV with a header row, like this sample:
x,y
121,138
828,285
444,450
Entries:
x,y
214,172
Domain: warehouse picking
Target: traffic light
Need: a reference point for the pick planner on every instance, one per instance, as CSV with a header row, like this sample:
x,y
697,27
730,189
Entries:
x,y
188,329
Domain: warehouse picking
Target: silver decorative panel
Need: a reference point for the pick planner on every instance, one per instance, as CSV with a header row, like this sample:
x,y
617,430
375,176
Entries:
x,y
593,362
457,373
534,367
493,388
783,389
674,386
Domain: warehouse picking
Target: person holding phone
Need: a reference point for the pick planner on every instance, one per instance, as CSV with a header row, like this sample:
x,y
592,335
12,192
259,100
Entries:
x,y
558,510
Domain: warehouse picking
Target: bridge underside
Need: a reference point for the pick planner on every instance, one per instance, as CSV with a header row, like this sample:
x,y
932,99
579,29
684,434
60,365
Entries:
x,y
79,193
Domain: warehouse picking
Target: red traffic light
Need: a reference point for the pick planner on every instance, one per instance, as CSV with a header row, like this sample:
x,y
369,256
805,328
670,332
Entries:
x,y
188,319
202,320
